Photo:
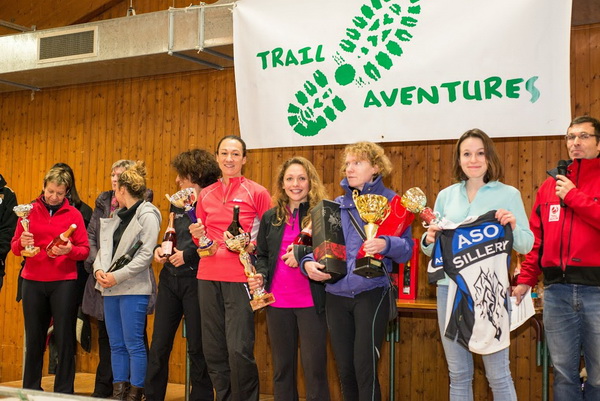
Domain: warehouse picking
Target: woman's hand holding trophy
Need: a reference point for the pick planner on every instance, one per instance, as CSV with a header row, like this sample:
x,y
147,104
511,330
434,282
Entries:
x,y
185,199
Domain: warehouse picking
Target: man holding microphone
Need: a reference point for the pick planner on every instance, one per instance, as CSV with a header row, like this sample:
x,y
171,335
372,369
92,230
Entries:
x,y
566,223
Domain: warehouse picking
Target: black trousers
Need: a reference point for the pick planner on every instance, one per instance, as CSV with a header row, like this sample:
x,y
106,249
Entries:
x,y
177,298
357,327
228,339
41,301
287,326
103,387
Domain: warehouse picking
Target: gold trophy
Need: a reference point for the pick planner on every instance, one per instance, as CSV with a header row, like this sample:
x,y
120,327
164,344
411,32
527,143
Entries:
x,y
260,298
415,201
23,212
373,209
185,199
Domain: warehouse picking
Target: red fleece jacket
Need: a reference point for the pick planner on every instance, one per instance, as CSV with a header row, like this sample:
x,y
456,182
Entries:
x,y
44,229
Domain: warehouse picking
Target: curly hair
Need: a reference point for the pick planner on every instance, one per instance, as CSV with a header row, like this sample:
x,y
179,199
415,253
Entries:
x,y
316,191
199,165
494,172
134,180
370,152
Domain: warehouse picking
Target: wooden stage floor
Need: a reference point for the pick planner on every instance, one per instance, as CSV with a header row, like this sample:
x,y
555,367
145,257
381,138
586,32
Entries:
x,y
84,385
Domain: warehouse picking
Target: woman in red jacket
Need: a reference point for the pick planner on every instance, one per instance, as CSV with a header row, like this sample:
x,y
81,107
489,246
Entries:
x,y
50,282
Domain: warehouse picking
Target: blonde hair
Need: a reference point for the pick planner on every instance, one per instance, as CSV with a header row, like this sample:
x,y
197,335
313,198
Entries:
x,y
370,152
123,163
59,176
316,191
134,179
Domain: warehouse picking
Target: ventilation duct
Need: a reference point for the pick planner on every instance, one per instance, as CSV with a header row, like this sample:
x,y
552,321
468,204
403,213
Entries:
x,y
164,42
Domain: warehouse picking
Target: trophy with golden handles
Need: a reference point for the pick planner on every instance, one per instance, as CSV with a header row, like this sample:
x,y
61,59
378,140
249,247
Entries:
x,y
373,210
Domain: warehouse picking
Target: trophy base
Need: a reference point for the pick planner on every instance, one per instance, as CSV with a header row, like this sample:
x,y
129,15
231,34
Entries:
x,y
207,251
31,252
336,268
261,302
369,267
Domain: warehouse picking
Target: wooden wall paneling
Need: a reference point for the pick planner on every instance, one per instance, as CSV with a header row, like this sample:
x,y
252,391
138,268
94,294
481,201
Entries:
x,y
60,122
156,139
524,167
210,127
594,44
105,142
581,89
168,121
403,358
75,142
193,138
521,367
231,116
113,116
15,149
199,109
262,353
141,122
181,141
325,163
93,173
170,136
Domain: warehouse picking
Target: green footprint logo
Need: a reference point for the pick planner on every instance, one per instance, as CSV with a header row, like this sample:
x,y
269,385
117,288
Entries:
x,y
370,47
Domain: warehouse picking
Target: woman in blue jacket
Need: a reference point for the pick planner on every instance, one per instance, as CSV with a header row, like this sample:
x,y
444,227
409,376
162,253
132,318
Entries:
x,y
356,307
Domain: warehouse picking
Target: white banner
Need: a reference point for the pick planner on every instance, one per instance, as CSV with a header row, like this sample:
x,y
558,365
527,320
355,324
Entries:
x,y
319,72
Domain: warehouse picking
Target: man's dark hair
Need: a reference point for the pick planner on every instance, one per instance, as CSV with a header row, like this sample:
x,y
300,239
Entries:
x,y
588,119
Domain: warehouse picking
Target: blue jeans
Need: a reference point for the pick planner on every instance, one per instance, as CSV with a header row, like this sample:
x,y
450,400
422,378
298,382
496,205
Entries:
x,y
125,318
460,363
572,323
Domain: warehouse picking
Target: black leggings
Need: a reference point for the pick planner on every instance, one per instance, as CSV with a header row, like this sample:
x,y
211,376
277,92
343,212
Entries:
x,y
42,301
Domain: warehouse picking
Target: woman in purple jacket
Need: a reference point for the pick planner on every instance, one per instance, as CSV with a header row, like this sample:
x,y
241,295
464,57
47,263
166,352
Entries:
x,y
356,307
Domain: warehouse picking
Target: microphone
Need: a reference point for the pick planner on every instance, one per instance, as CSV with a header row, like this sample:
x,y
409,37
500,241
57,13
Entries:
x,y
126,258
562,170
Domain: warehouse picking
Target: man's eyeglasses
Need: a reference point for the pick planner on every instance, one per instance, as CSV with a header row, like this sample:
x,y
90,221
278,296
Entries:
x,y
582,137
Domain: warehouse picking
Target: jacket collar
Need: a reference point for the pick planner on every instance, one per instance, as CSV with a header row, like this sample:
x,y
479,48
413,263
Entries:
x,y
375,186
577,164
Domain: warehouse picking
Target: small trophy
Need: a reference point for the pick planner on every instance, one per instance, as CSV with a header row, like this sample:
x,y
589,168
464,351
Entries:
x,y
23,212
185,199
260,298
373,209
415,201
